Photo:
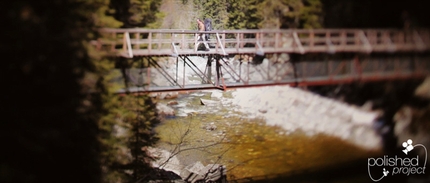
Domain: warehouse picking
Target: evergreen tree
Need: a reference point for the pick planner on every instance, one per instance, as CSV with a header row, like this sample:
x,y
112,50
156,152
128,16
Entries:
x,y
141,123
132,132
243,14
124,118
311,14
253,14
291,14
137,13
63,115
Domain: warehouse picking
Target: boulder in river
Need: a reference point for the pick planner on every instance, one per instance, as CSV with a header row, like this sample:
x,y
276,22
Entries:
x,y
208,102
164,110
209,173
174,102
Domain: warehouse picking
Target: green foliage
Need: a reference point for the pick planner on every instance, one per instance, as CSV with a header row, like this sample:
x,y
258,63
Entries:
x,y
98,12
291,14
253,14
136,123
137,13
243,14
126,123
113,149
311,14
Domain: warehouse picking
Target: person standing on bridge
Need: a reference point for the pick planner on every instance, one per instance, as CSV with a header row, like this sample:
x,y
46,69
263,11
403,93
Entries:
x,y
201,36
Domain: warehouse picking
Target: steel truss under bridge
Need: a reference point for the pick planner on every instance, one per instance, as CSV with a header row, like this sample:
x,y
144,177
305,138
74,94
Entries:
x,y
219,72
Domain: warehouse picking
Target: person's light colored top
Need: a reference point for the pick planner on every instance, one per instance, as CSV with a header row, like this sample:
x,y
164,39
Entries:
x,y
201,25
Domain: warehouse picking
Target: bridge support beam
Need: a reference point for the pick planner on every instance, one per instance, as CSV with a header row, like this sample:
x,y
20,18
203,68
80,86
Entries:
x,y
219,75
209,69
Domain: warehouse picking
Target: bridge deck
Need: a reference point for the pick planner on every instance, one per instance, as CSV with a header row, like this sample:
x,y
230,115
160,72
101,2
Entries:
x,y
152,42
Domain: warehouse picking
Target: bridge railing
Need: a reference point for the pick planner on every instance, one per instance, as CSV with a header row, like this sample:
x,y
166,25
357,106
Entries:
x,y
152,42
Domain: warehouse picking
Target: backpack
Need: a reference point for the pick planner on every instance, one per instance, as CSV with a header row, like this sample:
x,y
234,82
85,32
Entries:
x,y
208,24
208,27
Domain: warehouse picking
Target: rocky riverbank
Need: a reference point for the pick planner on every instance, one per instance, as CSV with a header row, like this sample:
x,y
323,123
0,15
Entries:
x,y
294,109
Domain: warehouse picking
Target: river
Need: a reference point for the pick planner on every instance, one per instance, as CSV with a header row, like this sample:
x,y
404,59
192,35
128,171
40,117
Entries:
x,y
266,132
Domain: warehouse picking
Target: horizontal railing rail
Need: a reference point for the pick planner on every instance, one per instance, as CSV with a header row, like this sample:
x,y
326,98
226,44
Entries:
x,y
153,42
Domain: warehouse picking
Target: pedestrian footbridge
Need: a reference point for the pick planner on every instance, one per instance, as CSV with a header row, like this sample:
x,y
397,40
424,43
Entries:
x,y
245,58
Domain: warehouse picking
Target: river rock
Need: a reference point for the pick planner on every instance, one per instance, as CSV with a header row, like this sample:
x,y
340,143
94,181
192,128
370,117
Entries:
x,y
264,111
208,102
424,89
216,94
198,172
210,127
169,95
164,110
172,102
363,117
165,160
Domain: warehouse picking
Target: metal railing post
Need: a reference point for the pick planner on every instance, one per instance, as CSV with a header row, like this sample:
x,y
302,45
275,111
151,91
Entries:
x,y
298,43
366,45
418,41
219,41
128,43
